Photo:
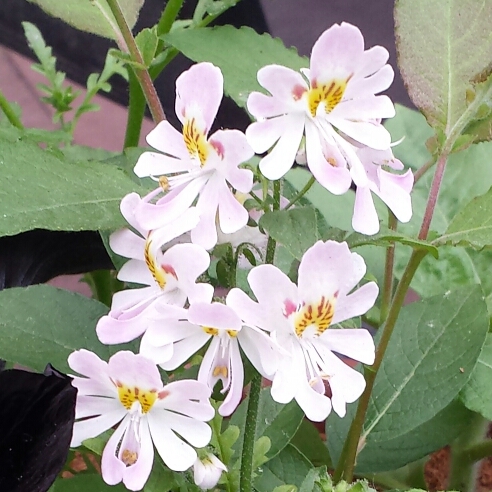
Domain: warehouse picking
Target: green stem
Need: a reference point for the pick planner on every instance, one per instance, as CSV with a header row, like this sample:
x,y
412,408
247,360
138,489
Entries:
x,y
345,466
103,285
463,474
168,16
136,112
388,271
216,424
142,74
477,452
246,477
10,113
306,188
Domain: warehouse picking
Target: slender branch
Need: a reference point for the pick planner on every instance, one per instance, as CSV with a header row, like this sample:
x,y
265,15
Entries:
x,y
388,271
215,424
169,16
345,466
433,194
421,171
142,74
136,112
306,188
10,113
477,452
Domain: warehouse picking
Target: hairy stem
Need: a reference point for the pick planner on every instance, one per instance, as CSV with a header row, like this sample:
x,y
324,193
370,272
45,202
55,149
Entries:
x,y
299,195
142,74
388,271
10,113
420,172
169,16
136,112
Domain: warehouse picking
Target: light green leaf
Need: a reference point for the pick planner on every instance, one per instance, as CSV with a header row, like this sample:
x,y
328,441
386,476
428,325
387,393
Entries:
x,y
231,50
472,226
289,467
92,15
477,393
147,44
41,324
42,191
439,65
296,229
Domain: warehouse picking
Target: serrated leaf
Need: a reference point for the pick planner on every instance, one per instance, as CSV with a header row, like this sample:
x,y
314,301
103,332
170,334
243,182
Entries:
x,y
472,226
147,41
41,324
422,372
296,229
42,191
440,66
477,393
92,16
230,49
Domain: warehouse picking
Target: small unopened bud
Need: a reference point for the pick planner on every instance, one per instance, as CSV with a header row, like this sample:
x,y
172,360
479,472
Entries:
x,y
207,471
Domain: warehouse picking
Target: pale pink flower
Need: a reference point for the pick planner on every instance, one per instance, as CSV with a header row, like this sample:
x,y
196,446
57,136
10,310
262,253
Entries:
x,y
127,391
336,98
207,471
300,319
194,164
170,276
171,341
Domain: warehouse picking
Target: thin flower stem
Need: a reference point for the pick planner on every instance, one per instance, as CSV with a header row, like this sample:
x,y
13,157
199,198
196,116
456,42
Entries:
x,y
142,74
306,188
420,172
136,112
168,16
433,194
345,467
388,271
246,476
10,113
216,423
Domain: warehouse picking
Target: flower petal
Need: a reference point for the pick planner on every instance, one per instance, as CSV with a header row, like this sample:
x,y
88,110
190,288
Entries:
x,y
365,218
357,344
167,139
357,303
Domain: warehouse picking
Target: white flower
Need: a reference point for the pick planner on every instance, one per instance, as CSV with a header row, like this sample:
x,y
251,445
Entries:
x,y
195,165
207,471
299,318
173,339
128,391
170,276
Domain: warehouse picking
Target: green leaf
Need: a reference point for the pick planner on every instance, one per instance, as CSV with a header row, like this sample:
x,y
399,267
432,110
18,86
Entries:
x,y
472,226
441,66
83,483
230,49
477,393
289,467
42,191
276,421
41,324
308,441
296,229
92,16
147,42
422,372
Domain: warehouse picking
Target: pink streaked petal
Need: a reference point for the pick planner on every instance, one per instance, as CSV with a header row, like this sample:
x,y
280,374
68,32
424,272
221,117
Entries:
x,y
154,164
111,331
194,431
136,475
205,233
357,344
134,370
262,135
130,302
128,205
365,218
93,387
126,243
363,109
156,353
357,303
194,393
175,453
91,406
373,60
258,348
374,84
175,228
113,468
215,315
263,106
88,364
235,146
335,179
282,83
235,393
199,90
167,139
188,261
337,53
136,271
232,214
282,157
395,192
373,135
201,293
184,349
167,331
289,376
252,313
85,429
315,405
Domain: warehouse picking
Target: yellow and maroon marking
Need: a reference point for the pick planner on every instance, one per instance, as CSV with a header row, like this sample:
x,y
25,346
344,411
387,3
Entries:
x,y
319,315
195,141
128,396
331,93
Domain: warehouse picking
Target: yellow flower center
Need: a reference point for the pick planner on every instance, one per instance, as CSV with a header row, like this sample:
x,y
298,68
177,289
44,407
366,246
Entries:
x,y
318,315
128,396
330,93
195,141
159,272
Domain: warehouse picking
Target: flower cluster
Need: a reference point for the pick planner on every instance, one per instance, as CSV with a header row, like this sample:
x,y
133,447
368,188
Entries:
x,y
289,331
